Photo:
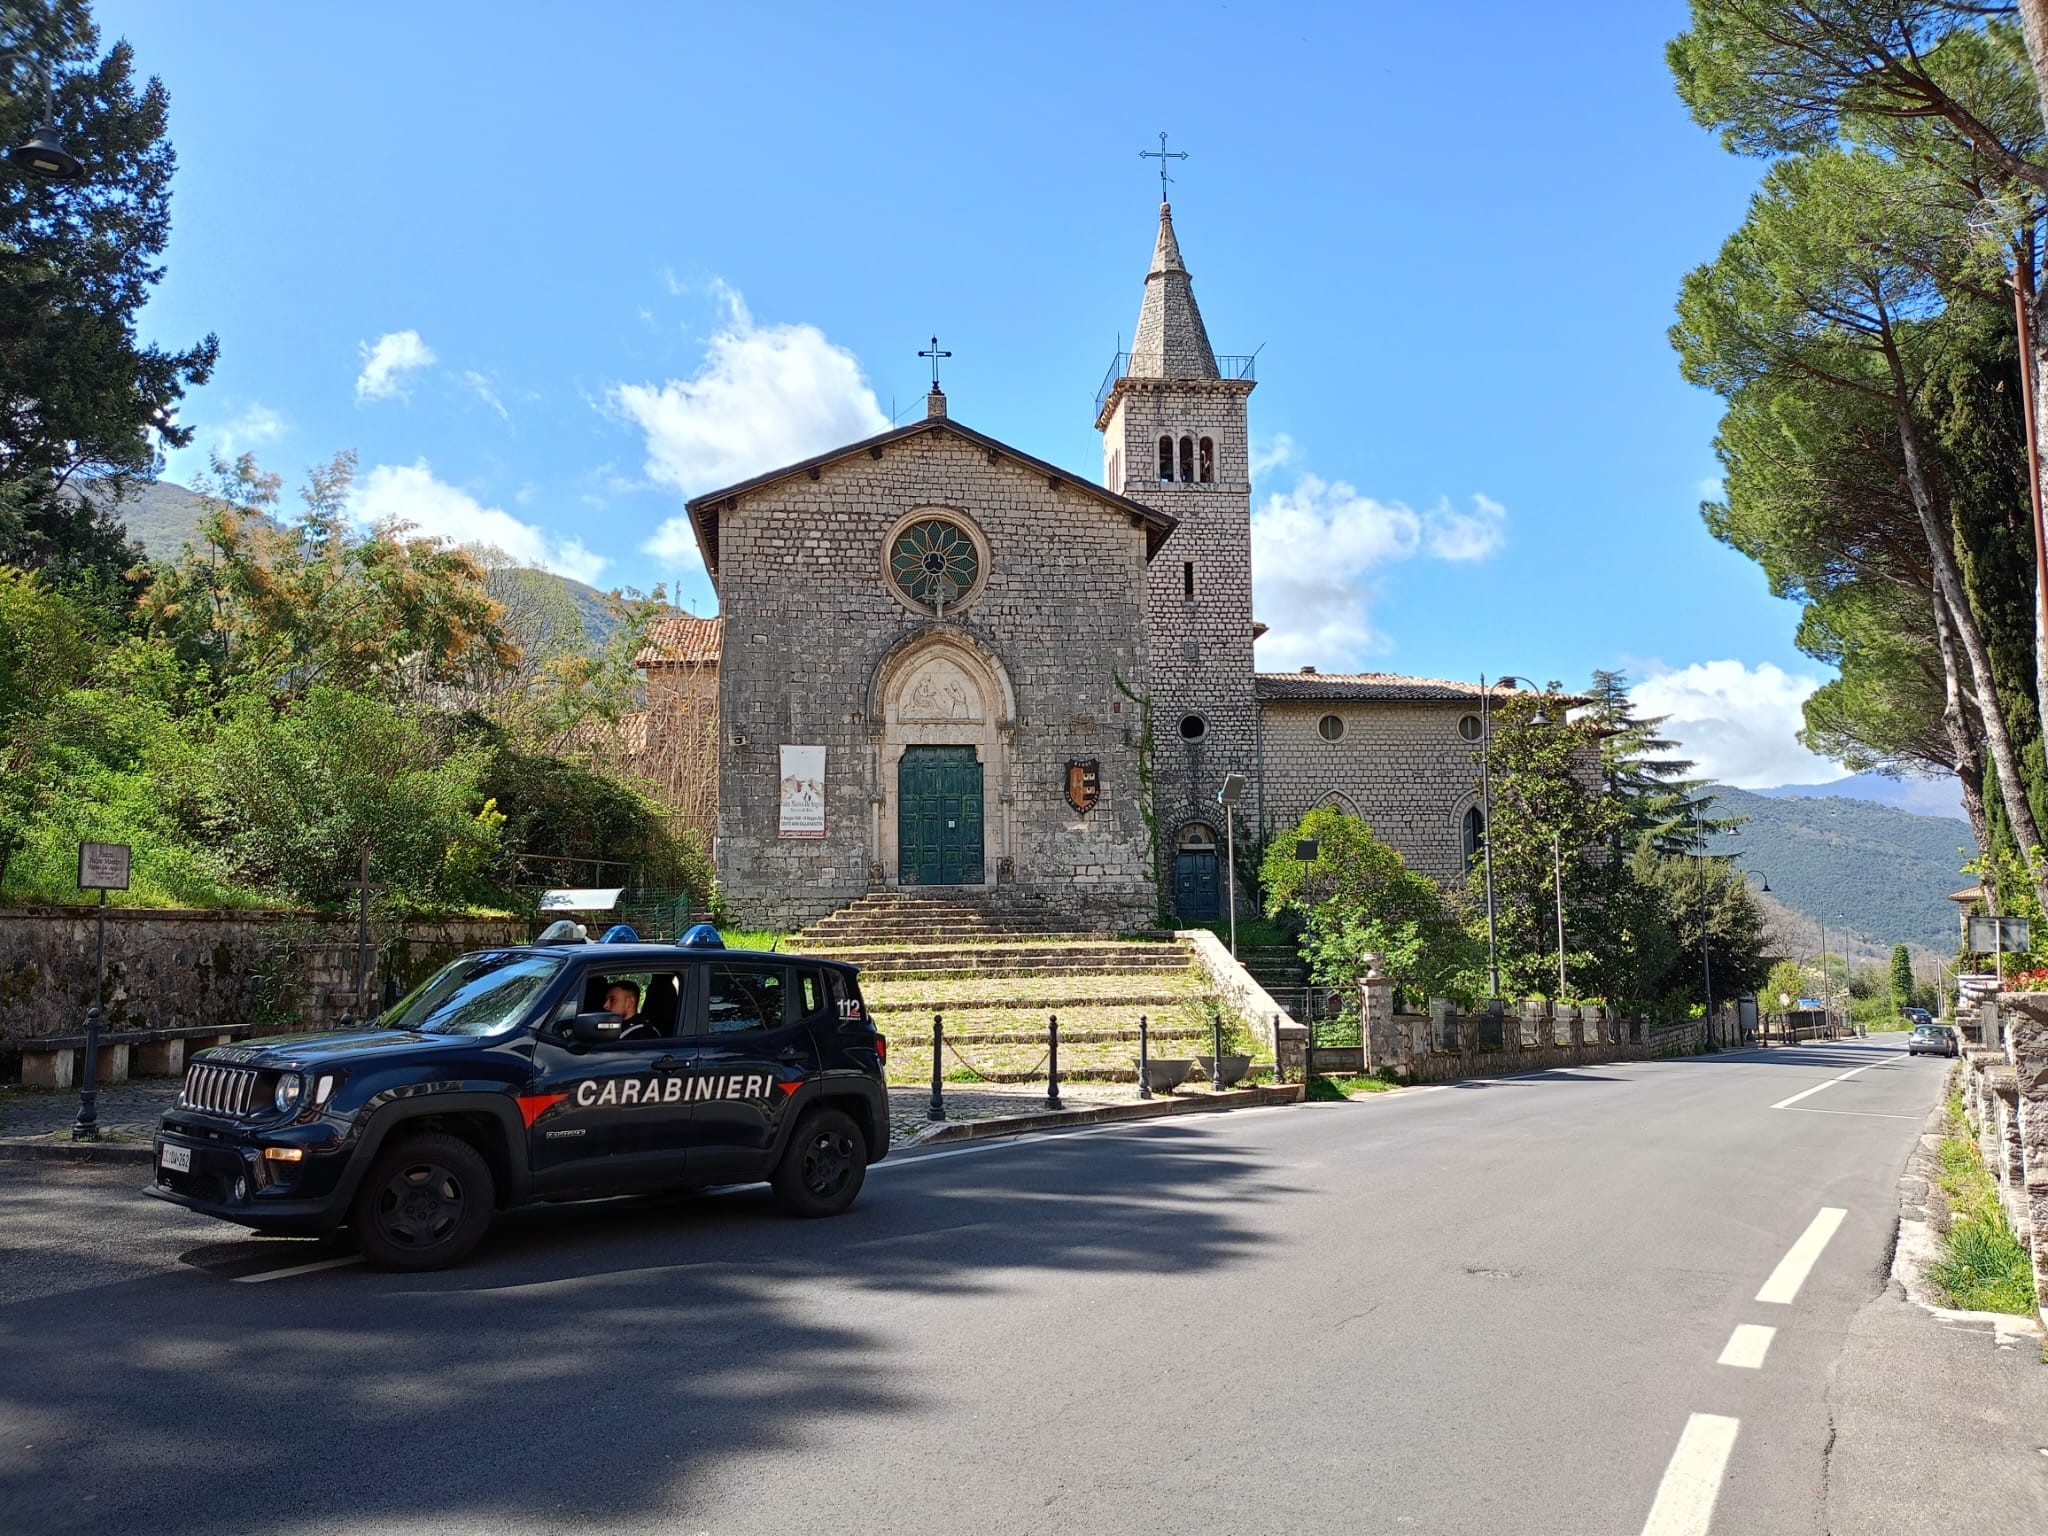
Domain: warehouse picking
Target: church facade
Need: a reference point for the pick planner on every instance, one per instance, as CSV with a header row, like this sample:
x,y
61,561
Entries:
x,y
945,665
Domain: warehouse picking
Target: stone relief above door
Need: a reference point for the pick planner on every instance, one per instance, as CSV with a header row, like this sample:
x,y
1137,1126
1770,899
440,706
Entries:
x,y
939,690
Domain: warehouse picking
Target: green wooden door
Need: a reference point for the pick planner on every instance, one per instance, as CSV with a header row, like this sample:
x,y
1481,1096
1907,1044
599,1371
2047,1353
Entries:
x,y
938,816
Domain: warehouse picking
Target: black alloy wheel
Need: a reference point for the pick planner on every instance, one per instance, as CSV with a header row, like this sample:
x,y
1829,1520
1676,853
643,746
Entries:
x,y
824,1165
425,1204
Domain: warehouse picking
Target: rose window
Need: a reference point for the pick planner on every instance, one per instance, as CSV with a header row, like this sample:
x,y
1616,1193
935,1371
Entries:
x,y
934,563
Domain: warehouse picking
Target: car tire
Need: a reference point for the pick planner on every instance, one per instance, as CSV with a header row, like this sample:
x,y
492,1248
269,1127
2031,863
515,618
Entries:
x,y
425,1203
824,1165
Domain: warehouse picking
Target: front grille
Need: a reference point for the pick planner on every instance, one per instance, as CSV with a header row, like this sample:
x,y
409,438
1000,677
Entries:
x,y
219,1090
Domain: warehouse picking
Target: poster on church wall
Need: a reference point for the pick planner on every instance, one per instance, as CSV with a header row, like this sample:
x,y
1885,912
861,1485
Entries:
x,y
803,792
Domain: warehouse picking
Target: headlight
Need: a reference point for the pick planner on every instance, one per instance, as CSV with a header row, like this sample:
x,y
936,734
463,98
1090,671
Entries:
x,y
289,1087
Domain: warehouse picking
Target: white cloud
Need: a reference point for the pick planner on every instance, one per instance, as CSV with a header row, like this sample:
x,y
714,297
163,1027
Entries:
x,y
487,392
411,494
388,360
1737,723
766,395
1315,549
1270,453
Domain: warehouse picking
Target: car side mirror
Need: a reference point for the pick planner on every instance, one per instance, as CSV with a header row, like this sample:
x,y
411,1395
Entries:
x,y
596,1028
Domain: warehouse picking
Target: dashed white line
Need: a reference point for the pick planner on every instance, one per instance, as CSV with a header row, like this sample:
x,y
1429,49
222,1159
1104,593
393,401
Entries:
x,y
298,1269
1747,1346
1816,1088
1799,1260
1692,1481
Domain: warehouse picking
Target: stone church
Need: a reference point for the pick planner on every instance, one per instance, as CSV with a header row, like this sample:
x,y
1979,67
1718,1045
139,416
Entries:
x,y
945,665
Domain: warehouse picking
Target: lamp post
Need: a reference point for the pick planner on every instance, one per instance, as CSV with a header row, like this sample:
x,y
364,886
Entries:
x,y
102,867
1507,679
1557,876
1228,796
1699,838
42,154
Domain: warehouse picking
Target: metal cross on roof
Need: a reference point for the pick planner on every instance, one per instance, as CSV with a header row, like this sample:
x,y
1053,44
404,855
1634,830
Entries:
x,y
1162,154
934,353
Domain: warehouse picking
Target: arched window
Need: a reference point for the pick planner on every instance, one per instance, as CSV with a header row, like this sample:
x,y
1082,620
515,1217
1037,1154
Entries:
x,y
1187,460
1166,458
1475,834
1208,461
1195,835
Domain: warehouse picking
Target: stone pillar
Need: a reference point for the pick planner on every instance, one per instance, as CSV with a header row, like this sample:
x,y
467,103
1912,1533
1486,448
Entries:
x,y
160,1058
1290,1053
1443,1028
1376,1021
2024,1016
54,1070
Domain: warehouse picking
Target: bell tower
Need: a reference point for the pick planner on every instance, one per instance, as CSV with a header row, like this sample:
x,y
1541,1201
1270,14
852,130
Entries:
x,y
1174,435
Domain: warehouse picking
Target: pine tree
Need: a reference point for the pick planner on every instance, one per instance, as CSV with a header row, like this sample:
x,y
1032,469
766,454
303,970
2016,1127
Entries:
x,y
1902,978
1664,810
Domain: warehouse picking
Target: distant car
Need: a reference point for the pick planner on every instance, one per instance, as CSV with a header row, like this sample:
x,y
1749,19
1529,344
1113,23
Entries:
x,y
1917,1015
1931,1040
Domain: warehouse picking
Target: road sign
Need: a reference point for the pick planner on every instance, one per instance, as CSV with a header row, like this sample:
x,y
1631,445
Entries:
x,y
103,866
1995,935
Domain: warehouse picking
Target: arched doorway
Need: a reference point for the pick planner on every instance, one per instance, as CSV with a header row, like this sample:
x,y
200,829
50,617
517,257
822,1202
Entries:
x,y
941,763
1197,875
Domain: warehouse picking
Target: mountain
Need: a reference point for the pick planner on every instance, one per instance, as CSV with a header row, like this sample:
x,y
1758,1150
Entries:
x,y
1886,874
163,517
1923,797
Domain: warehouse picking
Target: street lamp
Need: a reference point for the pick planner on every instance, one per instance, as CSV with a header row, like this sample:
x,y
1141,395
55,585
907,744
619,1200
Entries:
x,y
1699,840
43,155
1231,793
1486,803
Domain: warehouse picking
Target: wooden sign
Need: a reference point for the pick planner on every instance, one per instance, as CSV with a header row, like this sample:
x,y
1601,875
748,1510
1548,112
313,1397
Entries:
x,y
1084,785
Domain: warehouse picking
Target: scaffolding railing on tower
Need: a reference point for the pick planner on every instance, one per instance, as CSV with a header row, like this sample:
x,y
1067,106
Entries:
x,y
1228,366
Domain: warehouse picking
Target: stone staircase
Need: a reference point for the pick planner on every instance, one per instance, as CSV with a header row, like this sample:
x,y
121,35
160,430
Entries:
x,y
997,976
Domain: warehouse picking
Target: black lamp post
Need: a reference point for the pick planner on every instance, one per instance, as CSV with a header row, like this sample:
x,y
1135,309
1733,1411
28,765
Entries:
x,y
42,154
1486,812
102,867
1699,834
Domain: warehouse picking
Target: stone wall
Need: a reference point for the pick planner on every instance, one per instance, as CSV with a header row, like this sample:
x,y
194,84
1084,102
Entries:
x,y
820,650
2004,1083
175,968
1444,1044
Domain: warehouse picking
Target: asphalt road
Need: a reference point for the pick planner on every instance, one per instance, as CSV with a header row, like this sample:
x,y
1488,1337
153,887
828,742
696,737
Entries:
x,y
1493,1307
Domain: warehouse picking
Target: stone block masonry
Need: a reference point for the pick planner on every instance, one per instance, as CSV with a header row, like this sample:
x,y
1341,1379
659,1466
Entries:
x,y
2004,1084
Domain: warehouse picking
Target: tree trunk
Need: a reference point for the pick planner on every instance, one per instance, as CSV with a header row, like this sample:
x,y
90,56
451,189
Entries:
x,y
2034,24
1948,581
1955,719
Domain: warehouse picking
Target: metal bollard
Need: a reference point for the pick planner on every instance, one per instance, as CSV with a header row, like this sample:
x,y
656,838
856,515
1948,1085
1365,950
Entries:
x,y
1216,1075
1144,1055
1052,1063
936,1110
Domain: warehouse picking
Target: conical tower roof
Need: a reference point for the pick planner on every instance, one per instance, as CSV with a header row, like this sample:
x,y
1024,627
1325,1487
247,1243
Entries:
x,y
1171,341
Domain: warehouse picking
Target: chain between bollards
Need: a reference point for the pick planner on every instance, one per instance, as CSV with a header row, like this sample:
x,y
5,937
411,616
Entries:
x,y
1144,1056
1052,1060
937,1108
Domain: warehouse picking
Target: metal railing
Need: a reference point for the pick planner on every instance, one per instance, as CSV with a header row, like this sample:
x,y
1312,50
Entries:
x,y
1229,365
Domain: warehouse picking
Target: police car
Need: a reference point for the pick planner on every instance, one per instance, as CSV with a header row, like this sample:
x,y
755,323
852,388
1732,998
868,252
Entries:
x,y
506,1079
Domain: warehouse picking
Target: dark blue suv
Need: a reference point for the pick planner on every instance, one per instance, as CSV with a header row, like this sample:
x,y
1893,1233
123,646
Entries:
x,y
543,1072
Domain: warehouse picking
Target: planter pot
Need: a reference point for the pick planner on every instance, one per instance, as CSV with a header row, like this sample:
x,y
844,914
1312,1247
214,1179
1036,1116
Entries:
x,y
1163,1076
1233,1069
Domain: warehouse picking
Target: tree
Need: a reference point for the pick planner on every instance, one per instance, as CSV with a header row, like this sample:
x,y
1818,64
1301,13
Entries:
x,y
48,645
1663,808
1830,279
83,403
1708,905
1785,984
1902,978
1358,898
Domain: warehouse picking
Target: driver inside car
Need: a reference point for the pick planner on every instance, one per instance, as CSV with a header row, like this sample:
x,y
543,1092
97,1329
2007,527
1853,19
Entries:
x,y
623,998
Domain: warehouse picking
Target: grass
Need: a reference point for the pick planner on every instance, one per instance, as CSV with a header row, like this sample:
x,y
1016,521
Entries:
x,y
1333,1090
753,938
1252,933
1983,1267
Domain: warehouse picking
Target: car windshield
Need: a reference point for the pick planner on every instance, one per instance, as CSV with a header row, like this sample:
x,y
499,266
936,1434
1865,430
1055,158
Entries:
x,y
478,994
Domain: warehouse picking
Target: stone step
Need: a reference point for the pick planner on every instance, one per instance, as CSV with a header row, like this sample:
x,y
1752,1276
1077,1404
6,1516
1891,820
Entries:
x,y
999,965
1049,1002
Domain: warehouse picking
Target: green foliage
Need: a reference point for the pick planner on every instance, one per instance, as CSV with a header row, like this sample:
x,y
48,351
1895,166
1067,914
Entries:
x,y
1786,983
556,809
1901,978
1983,1266
1359,898
298,795
1708,907
82,401
1664,809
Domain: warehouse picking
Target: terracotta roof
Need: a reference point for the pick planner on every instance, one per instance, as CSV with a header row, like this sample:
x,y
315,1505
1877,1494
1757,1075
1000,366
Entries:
x,y
704,509
683,640
1385,686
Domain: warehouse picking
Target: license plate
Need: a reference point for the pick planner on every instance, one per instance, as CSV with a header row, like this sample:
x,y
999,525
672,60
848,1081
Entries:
x,y
177,1159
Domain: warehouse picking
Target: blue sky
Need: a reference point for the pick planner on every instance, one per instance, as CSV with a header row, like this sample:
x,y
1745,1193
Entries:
x,y
548,271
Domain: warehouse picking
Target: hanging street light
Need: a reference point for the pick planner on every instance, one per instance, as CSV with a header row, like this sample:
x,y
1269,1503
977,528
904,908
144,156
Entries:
x,y
44,156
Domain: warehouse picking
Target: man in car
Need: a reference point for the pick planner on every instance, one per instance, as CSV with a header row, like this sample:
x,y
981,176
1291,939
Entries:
x,y
623,998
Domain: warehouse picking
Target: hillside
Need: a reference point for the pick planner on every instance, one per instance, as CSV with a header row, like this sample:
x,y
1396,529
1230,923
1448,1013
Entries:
x,y
1885,873
163,516
1923,797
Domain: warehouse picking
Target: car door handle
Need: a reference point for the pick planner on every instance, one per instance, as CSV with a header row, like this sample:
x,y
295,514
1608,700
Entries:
x,y
667,1063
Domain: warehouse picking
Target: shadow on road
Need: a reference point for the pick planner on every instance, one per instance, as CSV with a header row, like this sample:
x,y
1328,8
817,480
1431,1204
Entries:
x,y
592,1364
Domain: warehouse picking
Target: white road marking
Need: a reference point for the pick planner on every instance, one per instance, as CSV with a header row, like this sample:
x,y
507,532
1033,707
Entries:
x,y
1816,1088
1861,1114
1799,1260
1692,1481
298,1269
1747,1346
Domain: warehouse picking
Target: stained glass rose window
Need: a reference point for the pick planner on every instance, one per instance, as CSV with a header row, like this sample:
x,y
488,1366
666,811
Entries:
x,y
934,563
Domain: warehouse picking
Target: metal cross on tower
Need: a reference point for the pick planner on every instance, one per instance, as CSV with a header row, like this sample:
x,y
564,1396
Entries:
x,y
1162,154
934,354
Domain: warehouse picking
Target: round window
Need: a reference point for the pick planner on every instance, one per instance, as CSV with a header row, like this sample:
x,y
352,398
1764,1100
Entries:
x,y
934,563
1468,727
1193,727
1331,727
